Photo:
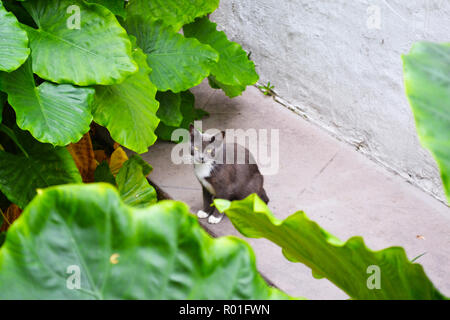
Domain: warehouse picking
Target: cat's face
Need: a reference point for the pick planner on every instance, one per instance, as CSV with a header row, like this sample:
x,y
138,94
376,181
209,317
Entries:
x,y
204,147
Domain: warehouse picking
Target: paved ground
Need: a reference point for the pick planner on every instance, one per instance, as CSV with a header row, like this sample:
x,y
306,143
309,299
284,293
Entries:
x,y
346,193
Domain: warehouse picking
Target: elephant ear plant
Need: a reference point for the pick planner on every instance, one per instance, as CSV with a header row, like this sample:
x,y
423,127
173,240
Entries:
x,y
427,81
125,65
114,251
113,66
347,264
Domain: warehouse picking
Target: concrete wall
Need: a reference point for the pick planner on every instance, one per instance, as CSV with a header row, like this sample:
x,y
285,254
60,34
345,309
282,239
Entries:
x,y
338,62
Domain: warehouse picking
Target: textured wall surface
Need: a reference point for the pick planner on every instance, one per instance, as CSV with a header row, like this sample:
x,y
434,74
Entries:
x,y
338,62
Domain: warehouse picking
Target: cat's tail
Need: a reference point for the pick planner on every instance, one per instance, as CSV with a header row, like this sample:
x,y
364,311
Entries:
x,y
262,194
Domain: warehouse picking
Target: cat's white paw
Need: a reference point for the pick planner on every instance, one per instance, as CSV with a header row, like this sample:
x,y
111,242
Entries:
x,y
214,220
202,214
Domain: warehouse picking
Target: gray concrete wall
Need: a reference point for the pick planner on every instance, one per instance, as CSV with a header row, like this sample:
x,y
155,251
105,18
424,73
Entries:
x,y
338,62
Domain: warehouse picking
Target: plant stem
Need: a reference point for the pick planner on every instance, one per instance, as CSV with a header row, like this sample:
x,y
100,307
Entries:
x,y
4,217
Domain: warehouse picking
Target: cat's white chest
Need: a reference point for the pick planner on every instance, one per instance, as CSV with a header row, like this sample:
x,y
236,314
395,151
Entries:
x,y
203,171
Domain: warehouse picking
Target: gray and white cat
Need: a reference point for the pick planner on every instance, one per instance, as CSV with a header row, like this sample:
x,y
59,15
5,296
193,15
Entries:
x,y
220,173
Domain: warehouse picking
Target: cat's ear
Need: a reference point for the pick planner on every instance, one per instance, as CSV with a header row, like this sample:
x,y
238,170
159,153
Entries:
x,y
219,136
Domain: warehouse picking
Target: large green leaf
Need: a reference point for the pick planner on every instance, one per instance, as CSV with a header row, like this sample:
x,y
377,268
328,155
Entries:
x,y
189,114
115,6
103,174
99,52
230,91
178,63
169,108
133,186
173,13
159,252
129,109
427,81
57,114
234,68
13,42
42,166
346,264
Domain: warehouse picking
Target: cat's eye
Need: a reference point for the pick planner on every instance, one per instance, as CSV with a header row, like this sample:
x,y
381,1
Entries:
x,y
196,148
209,150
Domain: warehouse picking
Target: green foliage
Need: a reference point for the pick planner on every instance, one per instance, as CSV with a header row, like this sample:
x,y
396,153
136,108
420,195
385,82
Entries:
x,y
133,78
103,174
267,89
427,81
178,63
131,181
159,252
343,263
173,13
38,166
169,108
133,185
57,114
13,42
85,66
45,91
233,68
115,6
98,53
16,8
128,109
82,43
189,113
230,91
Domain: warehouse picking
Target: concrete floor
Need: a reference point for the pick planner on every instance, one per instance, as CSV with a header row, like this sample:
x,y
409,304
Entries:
x,y
346,193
